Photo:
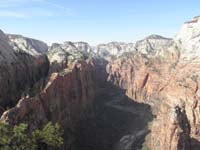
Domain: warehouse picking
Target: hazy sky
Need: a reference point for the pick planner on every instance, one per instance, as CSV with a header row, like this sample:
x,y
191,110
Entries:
x,y
95,21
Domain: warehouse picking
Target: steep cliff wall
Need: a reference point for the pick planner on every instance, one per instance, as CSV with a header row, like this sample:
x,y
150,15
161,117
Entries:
x,y
157,73
64,99
19,71
169,82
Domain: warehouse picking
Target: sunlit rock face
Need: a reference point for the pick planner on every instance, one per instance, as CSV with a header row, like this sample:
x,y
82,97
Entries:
x,y
146,80
65,89
64,99
114,49
151,45
189,38
59,52
65,92
83,46
28,45
169,83
60,55
160,73
19,71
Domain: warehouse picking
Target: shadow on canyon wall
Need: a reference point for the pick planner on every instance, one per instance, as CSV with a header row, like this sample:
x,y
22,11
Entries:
x,y
118,122
195,144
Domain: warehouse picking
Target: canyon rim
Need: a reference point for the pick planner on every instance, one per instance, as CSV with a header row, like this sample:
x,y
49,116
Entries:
x,y
115,96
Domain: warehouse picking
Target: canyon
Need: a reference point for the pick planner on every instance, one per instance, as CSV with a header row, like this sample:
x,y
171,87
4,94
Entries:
x,y
116,96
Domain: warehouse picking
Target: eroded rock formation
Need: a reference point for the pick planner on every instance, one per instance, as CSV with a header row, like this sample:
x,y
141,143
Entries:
x,y
19,71
64,99
28,45
152,84
169,82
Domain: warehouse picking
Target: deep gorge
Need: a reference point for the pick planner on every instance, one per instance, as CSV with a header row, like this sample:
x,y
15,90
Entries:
x,y
115,96
112,127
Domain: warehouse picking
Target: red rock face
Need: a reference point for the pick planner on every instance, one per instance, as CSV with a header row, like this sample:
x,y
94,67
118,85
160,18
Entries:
x,y
170,85
63,100
166,80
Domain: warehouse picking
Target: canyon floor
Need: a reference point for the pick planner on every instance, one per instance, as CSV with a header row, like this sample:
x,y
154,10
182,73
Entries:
x,y
118,122
116,96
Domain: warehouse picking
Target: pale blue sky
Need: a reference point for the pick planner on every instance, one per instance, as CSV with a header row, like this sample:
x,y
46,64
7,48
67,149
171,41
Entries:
x,y
95,21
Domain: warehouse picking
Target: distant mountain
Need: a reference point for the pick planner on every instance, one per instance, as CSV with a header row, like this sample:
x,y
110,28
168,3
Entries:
x,y
142,95
31,46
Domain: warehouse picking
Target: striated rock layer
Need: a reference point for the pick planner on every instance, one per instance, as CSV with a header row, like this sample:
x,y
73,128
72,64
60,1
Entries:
x,y
66,91
28,45
19,71
64,99
169,82
157,72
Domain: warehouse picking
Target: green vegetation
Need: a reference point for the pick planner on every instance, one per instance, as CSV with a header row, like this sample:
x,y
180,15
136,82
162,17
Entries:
x,y
18,137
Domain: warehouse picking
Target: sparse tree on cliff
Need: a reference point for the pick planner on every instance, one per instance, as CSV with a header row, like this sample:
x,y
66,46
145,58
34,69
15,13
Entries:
x,y
18,138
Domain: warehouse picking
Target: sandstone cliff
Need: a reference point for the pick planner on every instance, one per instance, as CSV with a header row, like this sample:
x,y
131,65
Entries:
x,y
159,74
66,92
64,99
169,83
19,71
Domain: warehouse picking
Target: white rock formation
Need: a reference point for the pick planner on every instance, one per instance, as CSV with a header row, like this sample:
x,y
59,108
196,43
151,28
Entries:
x,y
83,46
28,45
18,71
69,51
188,38
153,45
114,49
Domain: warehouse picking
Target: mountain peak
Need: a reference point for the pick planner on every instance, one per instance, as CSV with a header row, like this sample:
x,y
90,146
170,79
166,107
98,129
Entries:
x,y
155,36
194,20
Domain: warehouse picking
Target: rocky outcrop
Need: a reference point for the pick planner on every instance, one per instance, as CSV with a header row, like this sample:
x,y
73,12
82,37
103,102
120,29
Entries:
x,y
188,38
146,80
64,99
64,93
19,71
60,55
170,130
169,82
159,72
113,49
83,46
142,75
28,45
151,46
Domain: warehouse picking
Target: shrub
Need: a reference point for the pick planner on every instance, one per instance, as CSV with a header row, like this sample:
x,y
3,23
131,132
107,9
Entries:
x,y
18,137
